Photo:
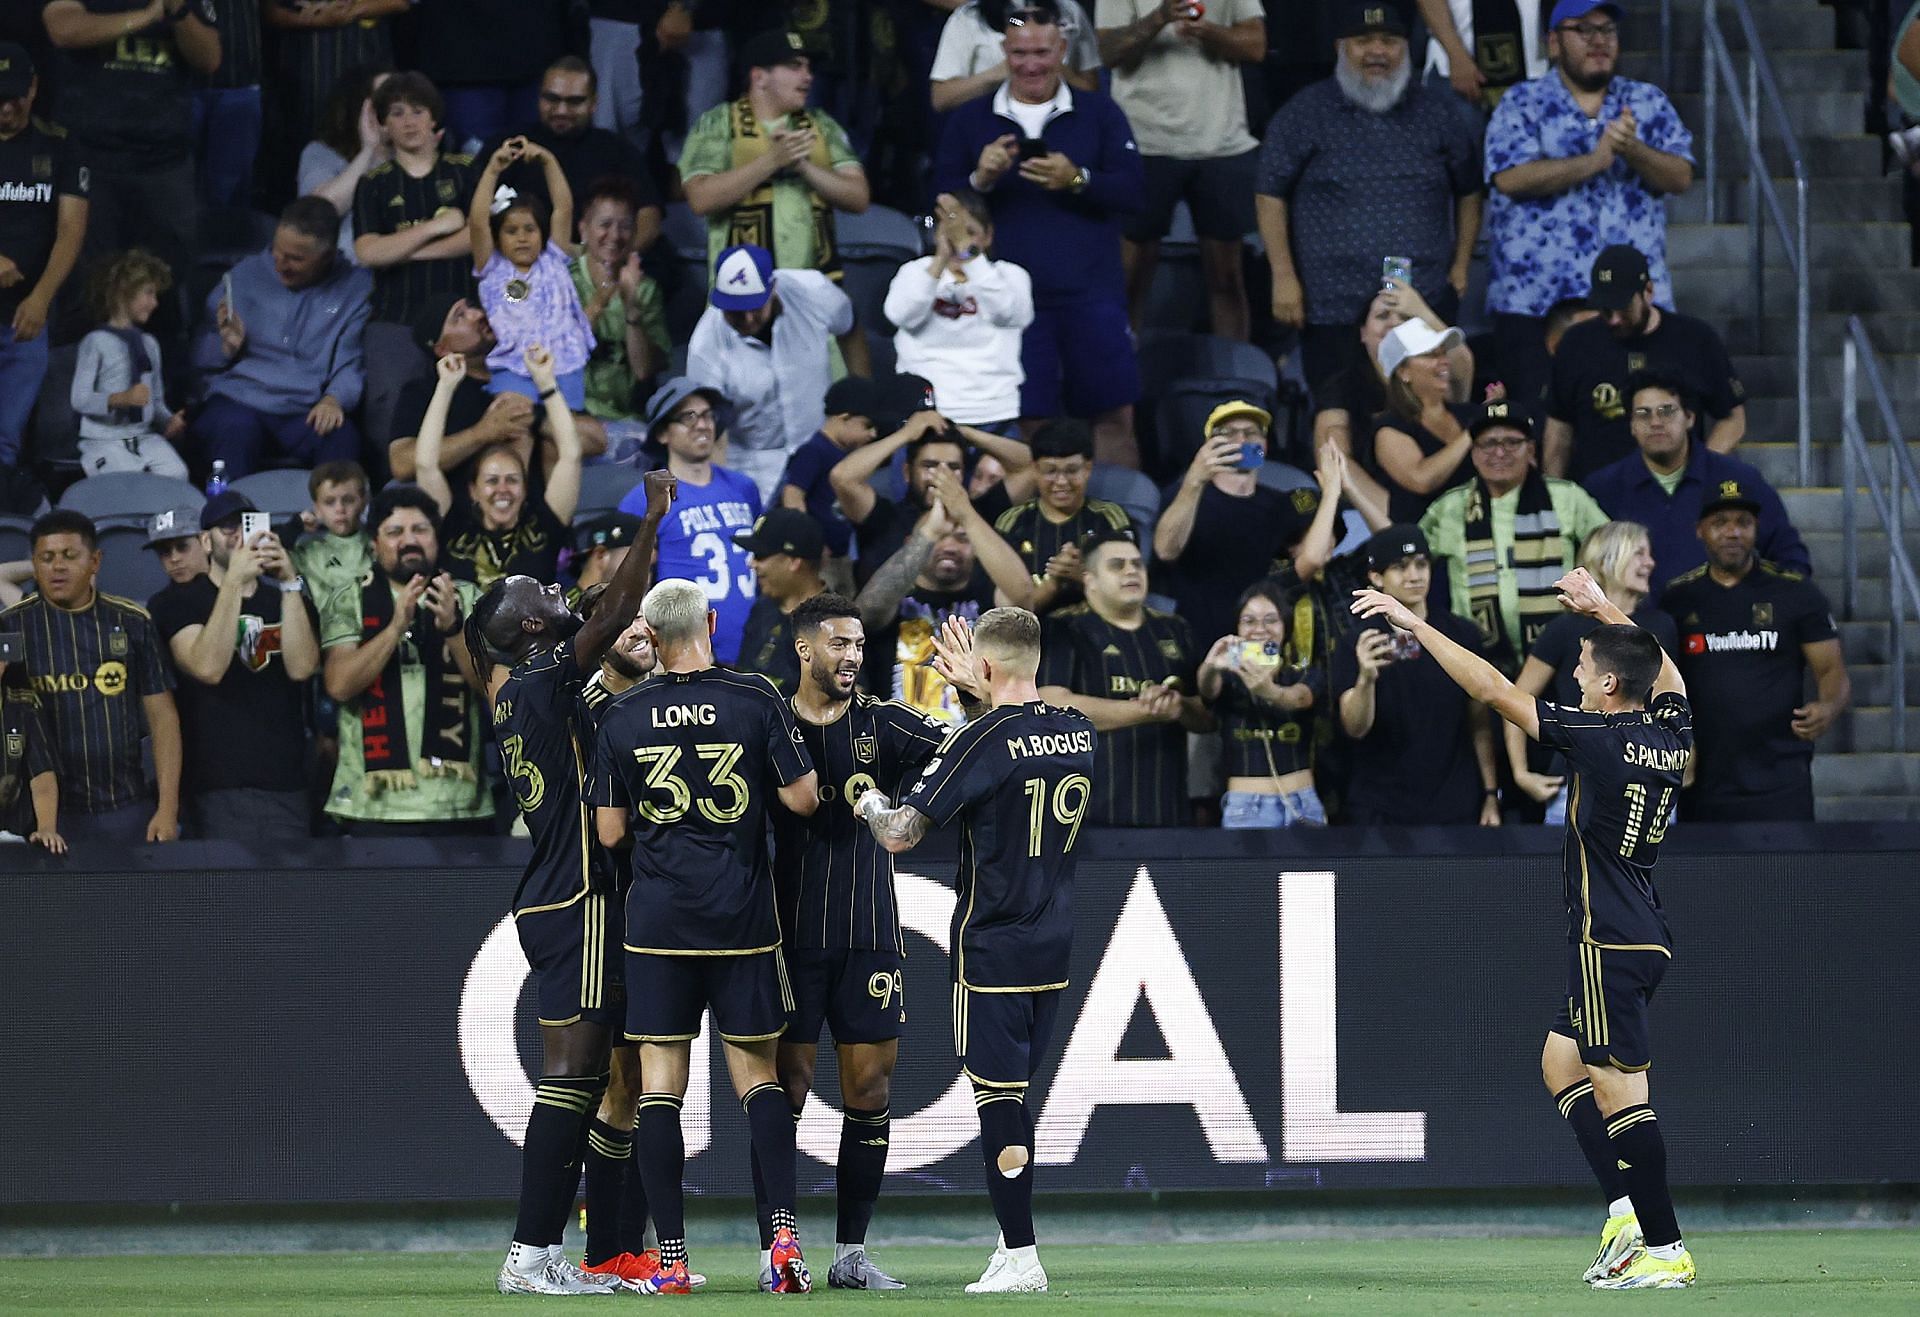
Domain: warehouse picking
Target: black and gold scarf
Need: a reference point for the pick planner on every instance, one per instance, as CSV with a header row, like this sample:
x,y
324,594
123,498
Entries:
x,y
1537,559
1498,47
751,220
382,707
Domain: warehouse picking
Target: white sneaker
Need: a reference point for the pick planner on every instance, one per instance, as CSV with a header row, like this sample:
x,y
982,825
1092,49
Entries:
x,y
1012,1271
532,1270
1905,144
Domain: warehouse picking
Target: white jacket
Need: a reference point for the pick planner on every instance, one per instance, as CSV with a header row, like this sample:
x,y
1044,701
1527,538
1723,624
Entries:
x,y
964,337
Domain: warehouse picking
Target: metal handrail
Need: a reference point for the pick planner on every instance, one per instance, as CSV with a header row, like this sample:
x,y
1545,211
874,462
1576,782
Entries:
x,y
1762,88
1903,588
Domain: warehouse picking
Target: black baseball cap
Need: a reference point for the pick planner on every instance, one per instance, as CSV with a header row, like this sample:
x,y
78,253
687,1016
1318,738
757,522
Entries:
x,y
431,318
227,503
16,70
1501,412
1359,17
613,531
1619,272
1729,494
783,530
1396,544
769,49
854,396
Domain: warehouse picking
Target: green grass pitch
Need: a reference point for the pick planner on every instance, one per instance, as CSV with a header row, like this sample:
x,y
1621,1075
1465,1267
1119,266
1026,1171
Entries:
x,y
1836,1271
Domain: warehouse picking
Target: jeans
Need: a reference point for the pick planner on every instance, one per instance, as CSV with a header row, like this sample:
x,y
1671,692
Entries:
x,y
22,367
1251,809
249,814
617,65
248,441
226,131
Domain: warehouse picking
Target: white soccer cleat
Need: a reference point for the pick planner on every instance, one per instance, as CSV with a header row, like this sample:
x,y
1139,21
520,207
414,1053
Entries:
x,y
1012,1271
532,1270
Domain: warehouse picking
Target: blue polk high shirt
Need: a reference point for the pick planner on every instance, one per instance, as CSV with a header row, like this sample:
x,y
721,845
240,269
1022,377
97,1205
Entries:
x,y
696,544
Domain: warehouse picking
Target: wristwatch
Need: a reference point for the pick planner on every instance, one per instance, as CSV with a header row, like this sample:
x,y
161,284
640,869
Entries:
x,y
295,586
1080,180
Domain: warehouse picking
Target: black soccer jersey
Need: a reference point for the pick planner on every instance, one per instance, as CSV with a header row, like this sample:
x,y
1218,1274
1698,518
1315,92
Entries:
x,y
698,756
533,720
766,645
38,166
390,199
1261,740
835,881
1018,778
1140,773
1037,539
1626,778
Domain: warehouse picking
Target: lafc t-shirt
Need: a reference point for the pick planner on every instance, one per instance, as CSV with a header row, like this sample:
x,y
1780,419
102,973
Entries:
x,y
129,102
388,200
38,165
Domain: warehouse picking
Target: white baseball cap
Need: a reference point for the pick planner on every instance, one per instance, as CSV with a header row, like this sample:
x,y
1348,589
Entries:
x,y
1414,338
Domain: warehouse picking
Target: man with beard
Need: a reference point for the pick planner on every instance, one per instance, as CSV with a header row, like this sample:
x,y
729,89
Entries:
x,y
1588,426
244,642
950,566
410,751
535,656
839,923
783,550
1579,159
1749,632
1357,168
569,94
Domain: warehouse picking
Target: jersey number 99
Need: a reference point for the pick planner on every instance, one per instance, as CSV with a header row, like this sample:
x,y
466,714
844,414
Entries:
x,y
721,760
1068,806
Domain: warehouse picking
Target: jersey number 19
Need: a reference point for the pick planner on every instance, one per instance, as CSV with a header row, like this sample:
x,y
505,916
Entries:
x,y
1068,806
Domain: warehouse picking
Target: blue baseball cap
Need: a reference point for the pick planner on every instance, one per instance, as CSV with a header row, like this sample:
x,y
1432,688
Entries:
x,y
743,278
1568,10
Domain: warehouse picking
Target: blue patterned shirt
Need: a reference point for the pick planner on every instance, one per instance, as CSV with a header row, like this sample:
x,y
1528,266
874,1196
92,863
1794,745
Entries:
x,y
1360,186
1543,248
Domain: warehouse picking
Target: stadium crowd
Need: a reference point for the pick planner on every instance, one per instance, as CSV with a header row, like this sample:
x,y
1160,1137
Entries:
x,y
469,328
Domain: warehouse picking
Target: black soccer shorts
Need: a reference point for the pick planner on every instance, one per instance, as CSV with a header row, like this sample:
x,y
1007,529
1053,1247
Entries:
x,y
748,995
1605,1010
575,954
1002,1036
856,993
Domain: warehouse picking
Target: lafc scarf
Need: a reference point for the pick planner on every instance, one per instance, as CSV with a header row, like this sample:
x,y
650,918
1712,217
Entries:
x,y
1538,558
444,751
752,220
1498,46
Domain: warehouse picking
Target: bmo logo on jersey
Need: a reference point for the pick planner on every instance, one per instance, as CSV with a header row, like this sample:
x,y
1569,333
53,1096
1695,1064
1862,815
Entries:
x,y
1732,642
1141,966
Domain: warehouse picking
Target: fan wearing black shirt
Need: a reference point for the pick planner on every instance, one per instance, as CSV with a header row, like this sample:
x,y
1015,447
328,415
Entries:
x,y
1047,531
1018,779
476,419
783,550
410,214
1132,670
244,639
1587,427
1628,745
536,655
699,755
839,922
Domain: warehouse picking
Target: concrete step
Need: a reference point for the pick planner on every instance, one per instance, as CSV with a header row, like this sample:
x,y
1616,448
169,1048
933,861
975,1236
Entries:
x,y
1842,200
1796,70
1778,419
1714,292
1873,684
1830,113
1797,26
1866,809
1872,643
1869,729
1880,244
1826,548
1887,332
1773,375
1866,774
1823,509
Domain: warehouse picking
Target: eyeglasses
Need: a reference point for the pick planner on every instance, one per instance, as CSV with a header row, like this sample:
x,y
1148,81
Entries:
x,y
1591,33
1666,411
1509,442
571,102
1239,432
692,416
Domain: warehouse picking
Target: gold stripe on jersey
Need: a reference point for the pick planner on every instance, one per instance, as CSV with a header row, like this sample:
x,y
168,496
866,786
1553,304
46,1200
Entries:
x,y
683,951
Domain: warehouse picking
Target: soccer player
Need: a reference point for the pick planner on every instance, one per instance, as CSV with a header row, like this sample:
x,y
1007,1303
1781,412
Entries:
x,y
1017,776
536,655
1627,745
699,753
839,923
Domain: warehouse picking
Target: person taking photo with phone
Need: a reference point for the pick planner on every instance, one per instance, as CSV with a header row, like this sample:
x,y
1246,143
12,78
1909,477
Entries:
x,y
1268,705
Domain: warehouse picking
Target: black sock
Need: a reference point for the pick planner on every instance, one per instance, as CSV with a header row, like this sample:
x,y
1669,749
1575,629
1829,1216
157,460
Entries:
x,y
1590,1128
1641,1155
608,1152
770,1122
660,1155
633,1211
863,1165
1005,1123
549,1159
761,1212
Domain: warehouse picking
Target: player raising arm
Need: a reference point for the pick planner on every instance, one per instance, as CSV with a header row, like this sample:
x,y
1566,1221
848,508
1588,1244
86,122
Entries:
x,y
1017,778
1627,746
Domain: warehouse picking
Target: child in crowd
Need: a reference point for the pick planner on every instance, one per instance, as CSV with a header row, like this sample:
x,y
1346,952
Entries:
x,y
125,424
335,550
522,261
851,405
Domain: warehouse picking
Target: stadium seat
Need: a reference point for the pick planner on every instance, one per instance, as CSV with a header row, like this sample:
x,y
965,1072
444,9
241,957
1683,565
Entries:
x,y
1232,359
15,543
279,494
128,498
127,567
1132,491
878,233
603,486
1181,415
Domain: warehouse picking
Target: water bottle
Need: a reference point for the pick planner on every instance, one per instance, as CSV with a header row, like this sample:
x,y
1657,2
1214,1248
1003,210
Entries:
x,y
217,482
